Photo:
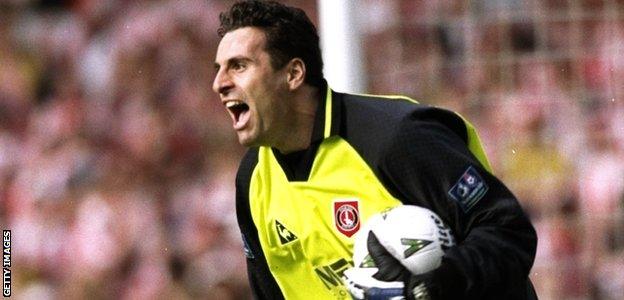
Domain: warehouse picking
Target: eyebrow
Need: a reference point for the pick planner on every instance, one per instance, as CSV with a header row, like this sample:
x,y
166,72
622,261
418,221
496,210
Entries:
x,y
235,59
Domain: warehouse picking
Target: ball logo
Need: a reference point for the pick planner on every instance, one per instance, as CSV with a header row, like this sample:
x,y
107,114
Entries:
x,y
347,217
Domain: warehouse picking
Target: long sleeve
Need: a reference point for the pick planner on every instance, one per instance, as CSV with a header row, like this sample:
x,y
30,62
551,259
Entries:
x,y
427,163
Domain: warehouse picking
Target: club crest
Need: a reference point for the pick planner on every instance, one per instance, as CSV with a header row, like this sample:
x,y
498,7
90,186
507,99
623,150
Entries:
x,y
347,217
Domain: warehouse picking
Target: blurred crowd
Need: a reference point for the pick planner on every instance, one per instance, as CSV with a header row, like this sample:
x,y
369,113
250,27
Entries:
x,y
117,161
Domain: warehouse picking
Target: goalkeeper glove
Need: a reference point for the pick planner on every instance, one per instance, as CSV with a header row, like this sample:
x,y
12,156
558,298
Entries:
x,y
421,286
362,285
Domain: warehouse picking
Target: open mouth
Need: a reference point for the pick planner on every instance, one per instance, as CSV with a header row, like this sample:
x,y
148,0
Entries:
x,y
239,111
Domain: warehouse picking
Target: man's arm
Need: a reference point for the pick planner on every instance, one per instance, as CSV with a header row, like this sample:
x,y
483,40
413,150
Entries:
x,y
427,163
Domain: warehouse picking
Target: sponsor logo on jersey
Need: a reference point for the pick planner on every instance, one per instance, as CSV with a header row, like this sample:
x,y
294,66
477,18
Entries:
x,y
285,235
469,189
331,274
347,217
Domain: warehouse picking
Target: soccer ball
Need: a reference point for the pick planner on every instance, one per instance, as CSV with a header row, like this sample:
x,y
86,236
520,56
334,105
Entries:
x,y
414,235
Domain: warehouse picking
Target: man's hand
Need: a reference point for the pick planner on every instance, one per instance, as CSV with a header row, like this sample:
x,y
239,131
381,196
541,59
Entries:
x,y
362,285
418,287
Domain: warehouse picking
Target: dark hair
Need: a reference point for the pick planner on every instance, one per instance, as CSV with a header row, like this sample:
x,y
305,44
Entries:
x,y
288,30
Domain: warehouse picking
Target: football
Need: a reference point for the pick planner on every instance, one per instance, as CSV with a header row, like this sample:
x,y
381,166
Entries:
x,y
414,235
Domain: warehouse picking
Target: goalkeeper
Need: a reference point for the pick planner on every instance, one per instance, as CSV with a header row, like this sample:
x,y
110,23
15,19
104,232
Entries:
x,y
321,162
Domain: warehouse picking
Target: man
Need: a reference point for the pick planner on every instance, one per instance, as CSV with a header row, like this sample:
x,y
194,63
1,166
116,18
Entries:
x,y
320,163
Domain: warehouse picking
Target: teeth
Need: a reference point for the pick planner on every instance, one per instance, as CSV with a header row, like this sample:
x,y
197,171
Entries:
x,y
233,103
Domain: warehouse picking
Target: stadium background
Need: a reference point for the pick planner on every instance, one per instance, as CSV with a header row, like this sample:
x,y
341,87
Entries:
x,y
117,160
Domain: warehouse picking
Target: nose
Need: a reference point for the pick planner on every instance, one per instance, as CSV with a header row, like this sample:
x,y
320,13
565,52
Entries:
x,y
222,83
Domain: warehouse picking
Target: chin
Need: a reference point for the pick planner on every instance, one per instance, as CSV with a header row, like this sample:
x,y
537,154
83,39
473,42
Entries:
x,y
247,141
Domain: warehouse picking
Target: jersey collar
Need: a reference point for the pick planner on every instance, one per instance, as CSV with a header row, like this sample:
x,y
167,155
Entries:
x,y
326,121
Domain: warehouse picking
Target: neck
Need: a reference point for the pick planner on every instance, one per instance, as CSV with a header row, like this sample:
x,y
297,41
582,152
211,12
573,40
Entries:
x,y
298,135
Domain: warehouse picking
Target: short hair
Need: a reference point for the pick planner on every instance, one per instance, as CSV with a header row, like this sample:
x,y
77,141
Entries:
x,y
288,30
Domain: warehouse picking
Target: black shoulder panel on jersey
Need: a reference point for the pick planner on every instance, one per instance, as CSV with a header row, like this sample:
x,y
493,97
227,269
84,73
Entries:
x,y
261,280
371,124
443,117
366,122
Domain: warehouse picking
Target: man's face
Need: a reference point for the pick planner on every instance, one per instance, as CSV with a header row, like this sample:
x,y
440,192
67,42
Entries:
x,y
250,88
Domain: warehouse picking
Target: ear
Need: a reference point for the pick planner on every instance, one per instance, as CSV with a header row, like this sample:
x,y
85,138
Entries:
x,y
296,73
